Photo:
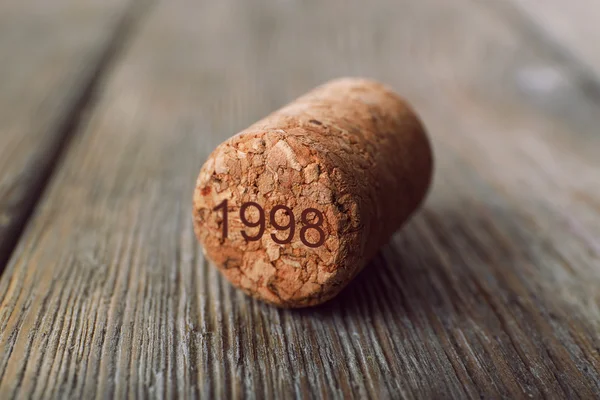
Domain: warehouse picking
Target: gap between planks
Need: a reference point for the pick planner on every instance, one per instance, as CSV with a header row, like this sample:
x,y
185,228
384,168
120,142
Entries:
x,y
33,181
482,294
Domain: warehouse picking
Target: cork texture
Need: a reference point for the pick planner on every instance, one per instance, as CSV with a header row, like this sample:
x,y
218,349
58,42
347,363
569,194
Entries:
x,y
351,149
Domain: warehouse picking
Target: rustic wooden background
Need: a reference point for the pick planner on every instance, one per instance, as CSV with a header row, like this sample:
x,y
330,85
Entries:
x,y
109,108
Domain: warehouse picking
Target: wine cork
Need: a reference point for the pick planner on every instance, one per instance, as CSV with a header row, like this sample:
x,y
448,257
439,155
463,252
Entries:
x,y
293,207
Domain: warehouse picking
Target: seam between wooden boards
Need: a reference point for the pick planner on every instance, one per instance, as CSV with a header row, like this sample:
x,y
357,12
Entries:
x,y
236,350
68,126
587,79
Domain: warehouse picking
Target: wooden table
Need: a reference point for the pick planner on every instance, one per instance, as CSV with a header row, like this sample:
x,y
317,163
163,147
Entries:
x,y
108,110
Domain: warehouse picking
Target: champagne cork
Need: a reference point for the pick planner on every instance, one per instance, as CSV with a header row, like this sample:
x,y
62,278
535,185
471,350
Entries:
x,y
293,207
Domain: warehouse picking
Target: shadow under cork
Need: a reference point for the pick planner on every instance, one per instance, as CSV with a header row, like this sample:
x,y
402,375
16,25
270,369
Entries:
x,y
441,265
397,282
459,288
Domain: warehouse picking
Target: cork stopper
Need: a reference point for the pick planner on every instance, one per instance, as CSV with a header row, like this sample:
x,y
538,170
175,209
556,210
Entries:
x,y
293,207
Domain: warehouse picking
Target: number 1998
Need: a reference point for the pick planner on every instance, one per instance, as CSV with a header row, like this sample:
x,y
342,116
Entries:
x,y
290,226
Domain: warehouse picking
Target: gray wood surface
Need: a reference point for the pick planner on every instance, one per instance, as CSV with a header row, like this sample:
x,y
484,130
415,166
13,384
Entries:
x,y
51,55
490,291
571,25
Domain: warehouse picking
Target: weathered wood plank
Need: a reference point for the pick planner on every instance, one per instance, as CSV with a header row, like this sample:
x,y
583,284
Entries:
x,y
52,54
490,291
571,25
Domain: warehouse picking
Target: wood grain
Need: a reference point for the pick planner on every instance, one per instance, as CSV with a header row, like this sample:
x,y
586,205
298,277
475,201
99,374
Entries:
x,y
52,55
489,292
572,26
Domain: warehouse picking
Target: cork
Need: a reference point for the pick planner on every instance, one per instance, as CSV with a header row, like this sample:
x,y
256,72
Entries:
x,y
292,208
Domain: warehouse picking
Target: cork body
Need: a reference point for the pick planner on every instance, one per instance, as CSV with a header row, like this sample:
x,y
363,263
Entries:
x,y
350,150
